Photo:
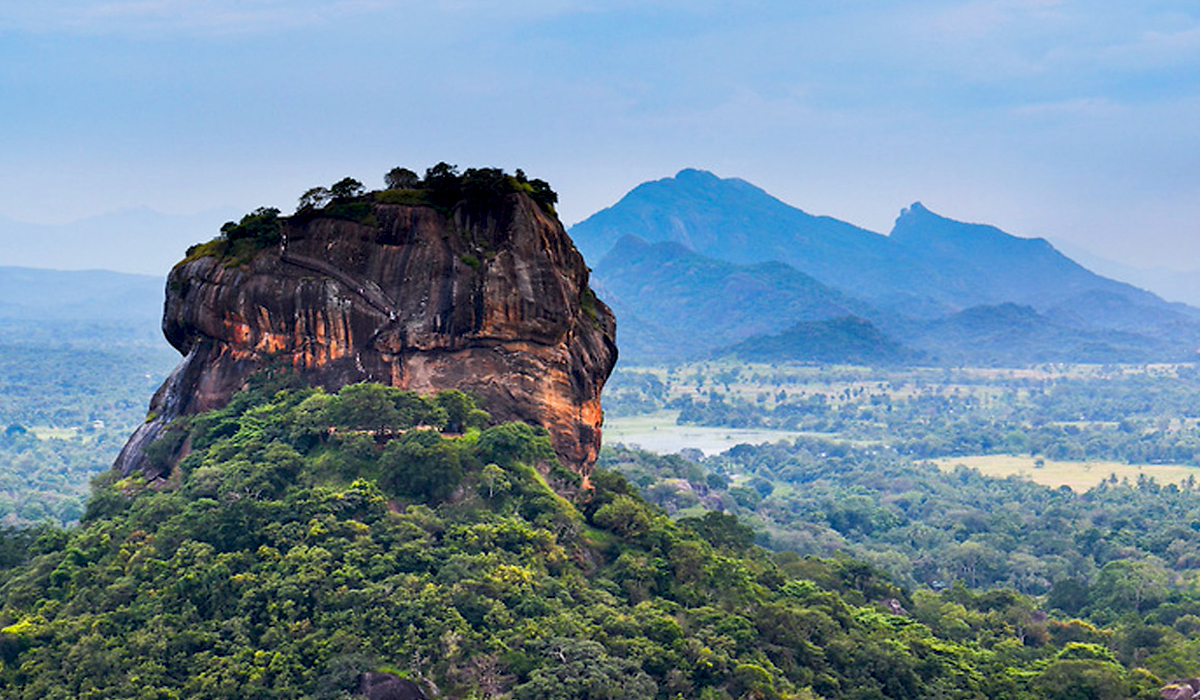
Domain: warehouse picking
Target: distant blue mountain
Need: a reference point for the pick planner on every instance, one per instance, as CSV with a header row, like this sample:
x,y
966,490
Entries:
x,y
846,339
928,268
31,293
86,308
732,220
1010,334
994,267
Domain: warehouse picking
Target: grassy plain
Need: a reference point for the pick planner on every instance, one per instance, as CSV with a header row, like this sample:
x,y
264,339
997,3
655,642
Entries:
x,y
759,381
1080,476
657,432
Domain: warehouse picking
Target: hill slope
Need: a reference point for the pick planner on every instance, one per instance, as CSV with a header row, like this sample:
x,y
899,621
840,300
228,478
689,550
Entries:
x,y
29,293
1008,335
843,339
673,302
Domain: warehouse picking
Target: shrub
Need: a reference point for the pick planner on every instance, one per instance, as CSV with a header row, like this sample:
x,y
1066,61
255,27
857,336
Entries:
x,y
401,179
421,464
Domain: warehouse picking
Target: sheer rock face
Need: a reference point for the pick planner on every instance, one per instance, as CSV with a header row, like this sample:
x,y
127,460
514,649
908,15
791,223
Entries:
x,y
494,302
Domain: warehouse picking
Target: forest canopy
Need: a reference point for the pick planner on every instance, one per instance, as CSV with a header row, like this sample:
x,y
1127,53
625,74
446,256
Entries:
x,y
298,546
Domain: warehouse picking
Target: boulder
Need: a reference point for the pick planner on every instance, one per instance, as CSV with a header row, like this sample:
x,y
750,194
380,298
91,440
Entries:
x,y
375,685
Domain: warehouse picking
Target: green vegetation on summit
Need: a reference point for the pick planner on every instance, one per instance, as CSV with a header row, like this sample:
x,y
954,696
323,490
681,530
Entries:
x,y
442,188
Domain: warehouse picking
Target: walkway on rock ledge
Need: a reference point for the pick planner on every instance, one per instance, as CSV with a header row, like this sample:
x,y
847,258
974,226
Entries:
x,y
368,290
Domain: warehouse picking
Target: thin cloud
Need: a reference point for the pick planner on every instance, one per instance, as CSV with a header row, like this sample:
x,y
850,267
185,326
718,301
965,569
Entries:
x,y
224,16
1083,107
1153,49
133,17
984,19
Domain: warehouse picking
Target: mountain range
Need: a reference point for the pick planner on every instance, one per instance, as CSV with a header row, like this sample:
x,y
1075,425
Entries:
x,y
716,261
693,265
84,309
696,263
31,293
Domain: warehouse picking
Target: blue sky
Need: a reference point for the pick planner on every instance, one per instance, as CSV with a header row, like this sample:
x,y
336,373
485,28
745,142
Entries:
x,y
1072,120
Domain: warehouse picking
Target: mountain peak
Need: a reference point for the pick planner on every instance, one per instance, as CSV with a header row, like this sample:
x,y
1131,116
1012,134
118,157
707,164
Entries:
x,y
725,218
918,224
914,209
696,175
919,216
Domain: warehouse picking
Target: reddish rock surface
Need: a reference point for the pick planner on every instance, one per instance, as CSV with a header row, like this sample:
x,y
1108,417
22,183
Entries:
x,y
495,303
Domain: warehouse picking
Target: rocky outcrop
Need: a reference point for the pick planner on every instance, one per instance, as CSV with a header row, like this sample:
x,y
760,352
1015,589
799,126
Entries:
x,y
375,685
1181,689
491,300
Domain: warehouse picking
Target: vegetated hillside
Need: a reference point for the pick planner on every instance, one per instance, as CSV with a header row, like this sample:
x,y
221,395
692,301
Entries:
x,y
676,303
846,339
64,414
929,268
929,527
1009,335
305,540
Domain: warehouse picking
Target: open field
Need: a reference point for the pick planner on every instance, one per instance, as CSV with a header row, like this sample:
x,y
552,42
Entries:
x,y
657,432
1080,476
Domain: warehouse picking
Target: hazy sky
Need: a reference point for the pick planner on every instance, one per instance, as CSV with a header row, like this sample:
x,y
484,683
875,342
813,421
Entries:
x,y
1074,120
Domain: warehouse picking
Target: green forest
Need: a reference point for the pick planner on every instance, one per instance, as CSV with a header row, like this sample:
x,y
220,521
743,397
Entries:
x,y
305,539
70,394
